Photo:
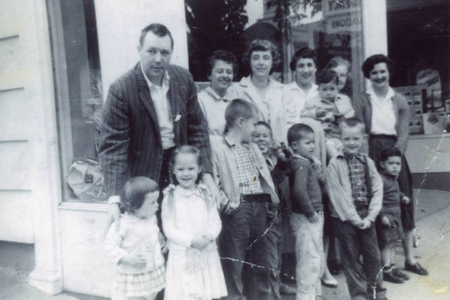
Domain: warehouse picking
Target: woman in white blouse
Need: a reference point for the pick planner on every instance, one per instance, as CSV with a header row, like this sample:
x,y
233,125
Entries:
x,y
262,57
221,67
386,116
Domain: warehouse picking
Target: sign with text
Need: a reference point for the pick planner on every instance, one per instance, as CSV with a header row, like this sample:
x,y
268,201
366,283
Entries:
x,y
344,22
338,7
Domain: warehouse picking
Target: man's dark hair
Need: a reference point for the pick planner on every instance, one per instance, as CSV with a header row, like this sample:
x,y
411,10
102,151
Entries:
x,y
157,29
304,52
222,55
297,132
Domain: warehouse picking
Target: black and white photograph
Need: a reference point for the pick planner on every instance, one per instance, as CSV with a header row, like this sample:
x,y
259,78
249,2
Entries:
x,y
225,149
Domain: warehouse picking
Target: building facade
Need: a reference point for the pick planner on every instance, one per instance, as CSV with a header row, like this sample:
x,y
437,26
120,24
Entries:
x,y
58,58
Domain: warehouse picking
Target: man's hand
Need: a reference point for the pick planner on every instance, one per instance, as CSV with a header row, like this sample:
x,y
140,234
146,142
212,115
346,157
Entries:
x,y
406,200
314,218
134,260
211,184
385,221
366,223
113,216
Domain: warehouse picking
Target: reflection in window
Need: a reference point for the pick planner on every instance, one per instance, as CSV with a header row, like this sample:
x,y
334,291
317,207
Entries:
x,y
79,96
332,28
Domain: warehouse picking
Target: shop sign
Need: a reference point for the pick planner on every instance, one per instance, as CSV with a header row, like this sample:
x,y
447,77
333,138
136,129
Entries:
x,y
344,23
337,7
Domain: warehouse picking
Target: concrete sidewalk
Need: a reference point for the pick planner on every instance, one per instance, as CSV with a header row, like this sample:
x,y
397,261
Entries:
x,y
433,223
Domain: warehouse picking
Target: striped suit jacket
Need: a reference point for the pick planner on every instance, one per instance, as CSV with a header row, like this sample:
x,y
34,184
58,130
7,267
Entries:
x,y
130,137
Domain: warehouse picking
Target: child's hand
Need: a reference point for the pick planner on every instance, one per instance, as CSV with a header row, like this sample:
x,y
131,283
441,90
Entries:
x,y
385,221
208,238
357,224
320,113
314,218
134,260
163,243
199,243
277,150
366,223
406,200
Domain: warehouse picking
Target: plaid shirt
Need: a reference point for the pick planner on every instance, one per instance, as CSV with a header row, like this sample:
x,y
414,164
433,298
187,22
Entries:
x,y
249,183
356,169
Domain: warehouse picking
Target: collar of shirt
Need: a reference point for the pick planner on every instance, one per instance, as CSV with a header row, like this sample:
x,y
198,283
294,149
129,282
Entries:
x,y
389,176
232,143
389,96
296,155
165,81
349,156
209,90
312,91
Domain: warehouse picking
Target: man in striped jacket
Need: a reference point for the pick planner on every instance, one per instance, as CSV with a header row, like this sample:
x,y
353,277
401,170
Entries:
x,y
149,111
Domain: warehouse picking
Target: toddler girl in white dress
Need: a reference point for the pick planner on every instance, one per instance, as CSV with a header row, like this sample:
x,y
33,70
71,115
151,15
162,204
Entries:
x,y
191,224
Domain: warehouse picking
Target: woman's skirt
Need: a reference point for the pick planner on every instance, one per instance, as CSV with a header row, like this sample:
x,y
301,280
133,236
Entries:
x,y
138,285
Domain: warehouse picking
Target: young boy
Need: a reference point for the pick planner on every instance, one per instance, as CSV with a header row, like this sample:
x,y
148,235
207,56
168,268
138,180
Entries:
x,y
277,163
389,221
306,183
246,190
330,108
356,193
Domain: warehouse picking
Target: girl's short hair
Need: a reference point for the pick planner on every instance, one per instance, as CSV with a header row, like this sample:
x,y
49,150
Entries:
x,y
327,76
262,45
304,52
389,152
134,192
185,149
238,108
223,55
373,60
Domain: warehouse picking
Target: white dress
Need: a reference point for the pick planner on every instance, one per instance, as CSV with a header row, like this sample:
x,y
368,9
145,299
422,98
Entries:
x,y
191,273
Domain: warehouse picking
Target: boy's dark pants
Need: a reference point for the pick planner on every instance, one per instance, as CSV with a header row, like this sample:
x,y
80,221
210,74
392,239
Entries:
x,y
242,243
272,240
363,280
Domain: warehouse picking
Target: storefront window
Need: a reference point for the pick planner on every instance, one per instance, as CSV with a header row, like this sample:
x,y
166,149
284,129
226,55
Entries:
x,y
419,43
79,97
332,28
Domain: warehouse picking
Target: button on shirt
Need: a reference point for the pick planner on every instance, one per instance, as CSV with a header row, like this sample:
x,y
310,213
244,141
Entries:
x,y
383,115
213,107
249,183
162,107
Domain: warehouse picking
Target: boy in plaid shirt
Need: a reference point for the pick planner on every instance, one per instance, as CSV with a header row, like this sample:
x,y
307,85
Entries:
x,y
246,192
356,194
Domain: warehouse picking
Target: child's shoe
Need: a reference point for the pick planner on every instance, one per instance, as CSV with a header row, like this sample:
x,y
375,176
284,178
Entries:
x,y
390,276
399,273
416,268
